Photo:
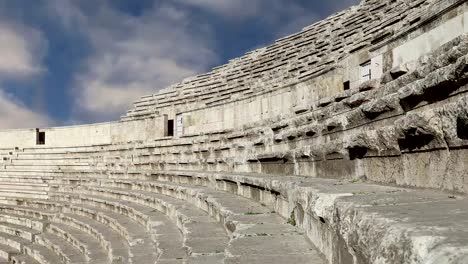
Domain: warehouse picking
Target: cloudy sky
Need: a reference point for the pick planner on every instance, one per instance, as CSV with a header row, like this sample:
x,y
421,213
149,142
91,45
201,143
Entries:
x,y
65,62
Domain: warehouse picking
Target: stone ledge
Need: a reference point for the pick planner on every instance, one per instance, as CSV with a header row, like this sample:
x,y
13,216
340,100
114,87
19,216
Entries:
x,y
366,222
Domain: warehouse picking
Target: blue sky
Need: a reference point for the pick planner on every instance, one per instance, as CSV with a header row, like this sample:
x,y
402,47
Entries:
x,y
65,62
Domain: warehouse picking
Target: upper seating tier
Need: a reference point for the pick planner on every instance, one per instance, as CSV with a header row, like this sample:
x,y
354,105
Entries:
x,y
317,49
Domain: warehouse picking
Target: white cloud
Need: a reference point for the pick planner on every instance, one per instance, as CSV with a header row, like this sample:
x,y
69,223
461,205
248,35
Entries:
x,y
234,8
131,55
135,55
13,114
21,51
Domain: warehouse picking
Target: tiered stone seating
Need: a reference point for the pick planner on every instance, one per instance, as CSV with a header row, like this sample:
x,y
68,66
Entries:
x,y
93,231
314,51
100,205
351,130
225,198
326,183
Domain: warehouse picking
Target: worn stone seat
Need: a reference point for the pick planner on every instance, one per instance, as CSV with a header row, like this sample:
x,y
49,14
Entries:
x,y
85,204
22,239
24,179
378,206
99,223
33,194
229,209
72,237
210,242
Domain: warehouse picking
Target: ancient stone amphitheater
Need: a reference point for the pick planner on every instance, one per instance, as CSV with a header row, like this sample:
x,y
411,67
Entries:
x,y
344,143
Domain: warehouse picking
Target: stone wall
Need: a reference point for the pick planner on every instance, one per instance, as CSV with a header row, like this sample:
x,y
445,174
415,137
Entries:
x,y
84,135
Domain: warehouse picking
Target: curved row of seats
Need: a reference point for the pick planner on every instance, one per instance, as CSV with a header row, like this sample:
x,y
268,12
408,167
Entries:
x,y
100,219
60,231
295,58
323,134
181,200
236,218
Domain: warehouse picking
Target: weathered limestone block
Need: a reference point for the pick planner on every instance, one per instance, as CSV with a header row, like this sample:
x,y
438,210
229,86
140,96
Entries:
x,y
309,153
360,145
399,71
270,157
355,118
356,100
435,86
369,85
292,133
381,142
454,118
343,95
301,108
462,119
310,130
324,102
334,150
380,106
418,131
334,124
280,125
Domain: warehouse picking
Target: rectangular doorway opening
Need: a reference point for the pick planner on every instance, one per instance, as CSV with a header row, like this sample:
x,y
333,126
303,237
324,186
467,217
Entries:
x,y
170,128
40,137
346,85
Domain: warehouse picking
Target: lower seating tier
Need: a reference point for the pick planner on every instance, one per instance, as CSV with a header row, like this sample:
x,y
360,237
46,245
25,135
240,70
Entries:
x,y
207,217
97,220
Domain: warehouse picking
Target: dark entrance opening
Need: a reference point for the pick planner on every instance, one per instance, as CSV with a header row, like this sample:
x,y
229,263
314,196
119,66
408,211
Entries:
x,y
346,85
40,137
170,128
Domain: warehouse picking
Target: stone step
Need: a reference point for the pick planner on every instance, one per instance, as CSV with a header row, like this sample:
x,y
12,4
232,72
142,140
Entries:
x,y
19,231
34,173
6,252
83,242
323,207
12,166
61,247
186,216
56,244
48,162
23,259
24,186
117,247
227,205
31,194
32,223
42,254
139,243
24,179
65,149
13,241
21,239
